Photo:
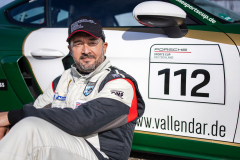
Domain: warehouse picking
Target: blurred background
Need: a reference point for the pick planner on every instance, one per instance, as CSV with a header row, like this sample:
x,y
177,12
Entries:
x,y
233,5
230,4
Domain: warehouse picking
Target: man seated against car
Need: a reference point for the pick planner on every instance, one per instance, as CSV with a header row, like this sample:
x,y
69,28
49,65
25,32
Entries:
x,y
100,105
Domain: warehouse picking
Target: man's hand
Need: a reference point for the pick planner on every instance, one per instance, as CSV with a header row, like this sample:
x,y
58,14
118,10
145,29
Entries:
x,y
4,119
3,131
4,123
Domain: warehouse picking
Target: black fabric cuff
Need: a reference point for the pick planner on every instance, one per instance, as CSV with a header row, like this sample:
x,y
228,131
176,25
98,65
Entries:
x,y
15,116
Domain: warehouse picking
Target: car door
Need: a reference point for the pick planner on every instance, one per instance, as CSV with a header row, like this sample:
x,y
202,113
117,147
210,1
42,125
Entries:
x,y
41,46
193,89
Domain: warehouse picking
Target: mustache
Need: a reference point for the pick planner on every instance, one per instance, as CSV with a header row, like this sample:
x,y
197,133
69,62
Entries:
x,y
87,56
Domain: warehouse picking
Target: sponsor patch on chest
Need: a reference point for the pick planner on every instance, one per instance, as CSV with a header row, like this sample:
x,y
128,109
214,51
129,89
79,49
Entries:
x,y
117,93
89,88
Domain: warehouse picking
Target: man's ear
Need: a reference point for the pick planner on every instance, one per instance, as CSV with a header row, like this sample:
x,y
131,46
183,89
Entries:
x,y
70,50
105,45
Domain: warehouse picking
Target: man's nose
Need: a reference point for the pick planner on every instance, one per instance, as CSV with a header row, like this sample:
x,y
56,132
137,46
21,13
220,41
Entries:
x,y
85,48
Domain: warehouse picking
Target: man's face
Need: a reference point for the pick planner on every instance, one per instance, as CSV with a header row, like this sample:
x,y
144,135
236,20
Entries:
x,y
87,51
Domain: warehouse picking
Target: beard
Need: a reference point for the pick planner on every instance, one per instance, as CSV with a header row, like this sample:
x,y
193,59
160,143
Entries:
x,y
87,68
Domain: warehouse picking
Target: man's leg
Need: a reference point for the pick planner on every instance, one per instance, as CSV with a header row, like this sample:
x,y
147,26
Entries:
x,y
33,138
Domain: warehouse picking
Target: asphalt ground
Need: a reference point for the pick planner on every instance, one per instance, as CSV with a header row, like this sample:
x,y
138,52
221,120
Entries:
x,y
147,156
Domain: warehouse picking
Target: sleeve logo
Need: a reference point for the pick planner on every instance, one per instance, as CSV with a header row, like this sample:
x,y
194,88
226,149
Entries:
x,y
117,93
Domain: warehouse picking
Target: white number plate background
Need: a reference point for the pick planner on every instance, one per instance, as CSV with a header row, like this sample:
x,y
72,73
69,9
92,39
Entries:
x,y
178,60
215,87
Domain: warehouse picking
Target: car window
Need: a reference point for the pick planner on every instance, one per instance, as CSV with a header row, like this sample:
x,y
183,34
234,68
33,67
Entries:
x,y
217,10
126,19
31,13
110,13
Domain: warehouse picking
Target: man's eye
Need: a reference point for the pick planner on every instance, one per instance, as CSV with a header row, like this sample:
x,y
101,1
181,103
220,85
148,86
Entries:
x,y
77,44
93,43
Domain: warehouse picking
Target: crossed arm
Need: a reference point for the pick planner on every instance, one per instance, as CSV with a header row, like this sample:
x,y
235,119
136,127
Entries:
x,y
108,110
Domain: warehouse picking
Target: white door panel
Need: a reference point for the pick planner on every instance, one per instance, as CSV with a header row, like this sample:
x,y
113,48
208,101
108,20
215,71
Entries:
x,y
237,135
44,49
201,118
46,70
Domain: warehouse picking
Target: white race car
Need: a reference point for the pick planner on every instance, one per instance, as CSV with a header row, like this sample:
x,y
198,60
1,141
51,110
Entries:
x,y
183,53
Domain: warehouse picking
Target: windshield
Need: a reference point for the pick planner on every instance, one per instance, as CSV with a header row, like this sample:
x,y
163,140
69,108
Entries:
x,y
217,10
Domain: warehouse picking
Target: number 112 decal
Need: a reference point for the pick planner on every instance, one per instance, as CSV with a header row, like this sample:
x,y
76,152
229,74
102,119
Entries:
x,y
183,74
187,82
190,73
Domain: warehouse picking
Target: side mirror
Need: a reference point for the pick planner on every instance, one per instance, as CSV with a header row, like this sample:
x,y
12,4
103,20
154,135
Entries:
x,y
162,14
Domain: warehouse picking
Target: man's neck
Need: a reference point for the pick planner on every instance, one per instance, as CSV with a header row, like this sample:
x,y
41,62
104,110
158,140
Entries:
x,y
83,73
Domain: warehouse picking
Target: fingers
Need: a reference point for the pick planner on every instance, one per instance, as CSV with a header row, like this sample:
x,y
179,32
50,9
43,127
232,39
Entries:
x,y
4,119
2,132
7,130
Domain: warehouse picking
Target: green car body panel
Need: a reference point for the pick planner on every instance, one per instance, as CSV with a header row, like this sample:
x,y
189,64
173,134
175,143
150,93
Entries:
x,y
7,103
18,94
10,52
13,75
184,147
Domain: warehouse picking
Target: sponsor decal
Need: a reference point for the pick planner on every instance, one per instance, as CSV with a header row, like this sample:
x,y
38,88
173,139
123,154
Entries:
x,y
117,93
225,17
60,98
196,10
166,53
190,73
177,50
89,88
77,24
192,126
77,104
3,85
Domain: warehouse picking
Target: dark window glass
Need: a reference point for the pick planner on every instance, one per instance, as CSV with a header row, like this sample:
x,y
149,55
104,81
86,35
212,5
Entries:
x,y
217,10
67,61
110,13
31,13
188,20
